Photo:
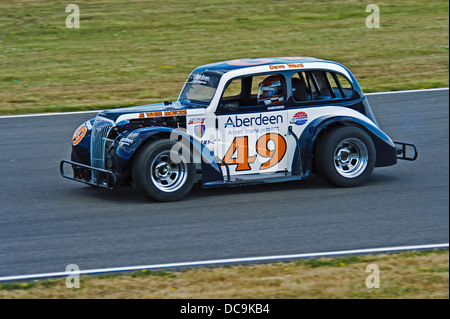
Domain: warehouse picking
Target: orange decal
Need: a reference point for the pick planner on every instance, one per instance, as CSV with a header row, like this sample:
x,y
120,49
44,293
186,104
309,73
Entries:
x,y
276,67
151,114
295,65
240,144
161,114
78,135
276,154
175,112
243,160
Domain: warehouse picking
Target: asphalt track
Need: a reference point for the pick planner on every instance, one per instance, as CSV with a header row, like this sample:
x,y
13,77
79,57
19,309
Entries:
x,y
47,222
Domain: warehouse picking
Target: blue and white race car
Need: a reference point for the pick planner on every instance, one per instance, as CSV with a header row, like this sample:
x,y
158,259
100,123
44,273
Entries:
x,y
239,122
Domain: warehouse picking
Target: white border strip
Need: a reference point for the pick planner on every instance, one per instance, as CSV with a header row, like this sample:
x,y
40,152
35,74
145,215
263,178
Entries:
x,y
96,111
225,261
47,114
407,91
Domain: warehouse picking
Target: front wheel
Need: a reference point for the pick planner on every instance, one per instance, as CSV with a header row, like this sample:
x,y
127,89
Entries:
x,y
345,156
164,172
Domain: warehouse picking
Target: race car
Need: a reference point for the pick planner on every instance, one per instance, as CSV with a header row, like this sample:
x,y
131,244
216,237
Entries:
x,y
239,122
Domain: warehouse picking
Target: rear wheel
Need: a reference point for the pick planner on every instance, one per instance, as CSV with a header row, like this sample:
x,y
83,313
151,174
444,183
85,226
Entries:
x,y
164,172
345,156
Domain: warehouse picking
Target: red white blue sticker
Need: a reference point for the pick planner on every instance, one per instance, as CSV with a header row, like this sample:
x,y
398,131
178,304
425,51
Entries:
x,y
198,120
199,130
299,118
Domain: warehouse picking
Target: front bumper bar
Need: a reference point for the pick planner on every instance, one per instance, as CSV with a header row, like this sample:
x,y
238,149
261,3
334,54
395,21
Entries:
x,y
83,174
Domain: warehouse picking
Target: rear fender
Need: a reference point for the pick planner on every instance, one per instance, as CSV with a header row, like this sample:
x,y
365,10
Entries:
x,y
385,147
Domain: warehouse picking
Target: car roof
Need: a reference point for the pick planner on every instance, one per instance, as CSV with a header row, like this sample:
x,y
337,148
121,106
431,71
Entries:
x,y
230,65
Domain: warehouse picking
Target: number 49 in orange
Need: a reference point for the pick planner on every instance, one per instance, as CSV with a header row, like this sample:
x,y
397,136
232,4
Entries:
x,y
243,160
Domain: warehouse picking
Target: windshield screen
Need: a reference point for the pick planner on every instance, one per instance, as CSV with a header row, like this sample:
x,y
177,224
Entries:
x,y
200,88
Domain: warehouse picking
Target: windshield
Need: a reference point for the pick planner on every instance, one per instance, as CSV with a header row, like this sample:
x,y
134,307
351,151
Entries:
x,y
200,88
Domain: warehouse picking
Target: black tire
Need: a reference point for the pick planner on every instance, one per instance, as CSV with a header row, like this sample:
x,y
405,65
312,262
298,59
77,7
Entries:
x,y
162,173
345,156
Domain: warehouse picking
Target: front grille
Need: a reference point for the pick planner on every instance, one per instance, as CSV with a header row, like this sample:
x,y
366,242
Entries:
x,y
99,135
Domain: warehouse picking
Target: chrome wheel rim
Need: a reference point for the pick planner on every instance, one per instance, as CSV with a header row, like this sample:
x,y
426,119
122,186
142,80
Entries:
x,y
351,158
169,171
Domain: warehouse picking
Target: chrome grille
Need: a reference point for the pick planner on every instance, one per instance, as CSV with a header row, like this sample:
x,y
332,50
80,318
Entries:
x,y
99,134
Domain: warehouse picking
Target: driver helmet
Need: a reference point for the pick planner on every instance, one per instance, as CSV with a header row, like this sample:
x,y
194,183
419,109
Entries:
x,y
270,90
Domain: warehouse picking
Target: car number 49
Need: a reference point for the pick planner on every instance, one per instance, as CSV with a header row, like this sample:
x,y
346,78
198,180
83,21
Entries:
x,y
243,159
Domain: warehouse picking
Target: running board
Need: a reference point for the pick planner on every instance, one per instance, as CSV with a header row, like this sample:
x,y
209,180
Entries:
x,y
267,180
255,179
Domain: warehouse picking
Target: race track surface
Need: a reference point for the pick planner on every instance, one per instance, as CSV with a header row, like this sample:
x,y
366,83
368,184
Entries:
x,y
47,222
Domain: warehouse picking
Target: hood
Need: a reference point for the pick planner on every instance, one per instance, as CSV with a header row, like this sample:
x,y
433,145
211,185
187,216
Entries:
x,y
145,111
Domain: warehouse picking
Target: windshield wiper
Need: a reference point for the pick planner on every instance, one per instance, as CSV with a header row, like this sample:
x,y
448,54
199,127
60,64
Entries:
x,y
190,103
198,102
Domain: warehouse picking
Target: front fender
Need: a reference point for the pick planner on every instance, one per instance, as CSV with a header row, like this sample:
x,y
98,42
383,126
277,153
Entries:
x,y
131,142
81,142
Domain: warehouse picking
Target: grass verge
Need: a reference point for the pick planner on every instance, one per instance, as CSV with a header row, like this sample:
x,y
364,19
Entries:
x,y
138,52
405,275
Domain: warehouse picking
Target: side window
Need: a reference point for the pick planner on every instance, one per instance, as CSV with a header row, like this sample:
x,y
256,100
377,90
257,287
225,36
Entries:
x,y
322,86
301,89
319,85
269,89
311,86
231,95
340,85
233,89
253,91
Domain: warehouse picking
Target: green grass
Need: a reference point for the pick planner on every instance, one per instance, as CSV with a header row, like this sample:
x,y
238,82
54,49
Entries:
x,y
135,52
402,275
335,262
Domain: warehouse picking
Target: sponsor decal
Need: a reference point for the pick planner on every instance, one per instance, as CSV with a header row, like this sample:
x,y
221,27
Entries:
x,y
175,112
254,120
151,114
289,65
126,141
278,107
199,130
209,142
276,67
201,79
299,118
161,114
198,120
79,134
295,65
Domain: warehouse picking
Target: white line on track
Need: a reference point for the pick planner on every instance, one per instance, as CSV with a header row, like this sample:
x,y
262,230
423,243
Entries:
x,y
227,261
407,91
96,111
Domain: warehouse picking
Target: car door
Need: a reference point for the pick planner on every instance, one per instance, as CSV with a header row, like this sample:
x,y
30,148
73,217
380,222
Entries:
x,y
251,137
